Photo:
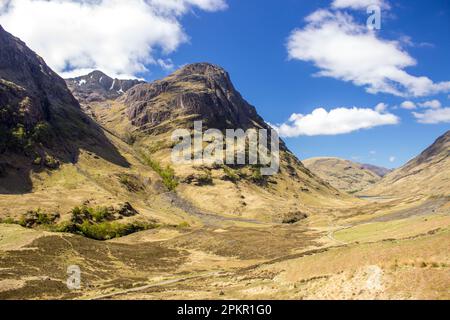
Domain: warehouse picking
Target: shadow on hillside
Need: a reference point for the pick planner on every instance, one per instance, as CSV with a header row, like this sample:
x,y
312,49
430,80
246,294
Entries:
x,y
73,131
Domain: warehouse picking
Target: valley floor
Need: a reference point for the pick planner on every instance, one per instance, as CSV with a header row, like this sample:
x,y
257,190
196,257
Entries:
x,y
391,249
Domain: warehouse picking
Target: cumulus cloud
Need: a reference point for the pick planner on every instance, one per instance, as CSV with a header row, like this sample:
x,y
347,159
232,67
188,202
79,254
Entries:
x,y
334,122
359,4
408,105
121,38
433,116
392,159
381,107
345,50
433,104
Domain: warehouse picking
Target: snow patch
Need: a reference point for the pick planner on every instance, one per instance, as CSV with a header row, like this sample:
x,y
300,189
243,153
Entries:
x,y
82,81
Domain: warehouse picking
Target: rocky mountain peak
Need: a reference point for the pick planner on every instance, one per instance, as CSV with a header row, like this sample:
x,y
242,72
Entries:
x,y
201,91
97,86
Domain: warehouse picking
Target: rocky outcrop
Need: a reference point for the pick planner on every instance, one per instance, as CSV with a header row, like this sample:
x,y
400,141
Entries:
x,y
97,86
201,90
28,87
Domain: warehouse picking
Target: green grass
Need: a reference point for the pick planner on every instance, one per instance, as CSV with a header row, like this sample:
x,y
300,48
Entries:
x,y
104,230
230,174
111,230
98,214
166,173
94,223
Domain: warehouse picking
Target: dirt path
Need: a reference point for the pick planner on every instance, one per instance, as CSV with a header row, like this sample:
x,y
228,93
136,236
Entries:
x,y
330,234
155,285
208,219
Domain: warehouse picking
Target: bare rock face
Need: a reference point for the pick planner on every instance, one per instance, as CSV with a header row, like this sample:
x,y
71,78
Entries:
x,y
97,86
201,90
28,87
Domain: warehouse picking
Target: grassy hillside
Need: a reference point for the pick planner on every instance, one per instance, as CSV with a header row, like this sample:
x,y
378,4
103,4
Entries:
x,y
343,174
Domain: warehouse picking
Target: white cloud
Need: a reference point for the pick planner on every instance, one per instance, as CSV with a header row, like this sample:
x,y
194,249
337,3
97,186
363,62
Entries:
x,y
381,107
433,116
392,159
166,64
409,105
336,121
433,104
345,50
118,37
358,4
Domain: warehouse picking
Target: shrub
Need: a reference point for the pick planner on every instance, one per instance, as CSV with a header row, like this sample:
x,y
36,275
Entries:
x,y
129,138
111,230
257,177
131,183
183,225
204,179
51,162
19,137
8,221
37,218
41,133
94,223
98,214
167,174
230,174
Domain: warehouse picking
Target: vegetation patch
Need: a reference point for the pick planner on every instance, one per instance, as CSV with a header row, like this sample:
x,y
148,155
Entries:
x,y
230,175
203,179
257,178
98,223
294,217
166,173
131,182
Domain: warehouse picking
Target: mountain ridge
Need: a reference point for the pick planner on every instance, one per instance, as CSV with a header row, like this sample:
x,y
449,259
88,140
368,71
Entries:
x,y
41,123
97,86
427,174
343,174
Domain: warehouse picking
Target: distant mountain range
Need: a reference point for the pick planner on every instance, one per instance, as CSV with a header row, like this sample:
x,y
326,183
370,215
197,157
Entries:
x,y
346,175
97,86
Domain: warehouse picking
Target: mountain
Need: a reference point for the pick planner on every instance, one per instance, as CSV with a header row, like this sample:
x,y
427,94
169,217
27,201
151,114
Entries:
x,y
117,148
201,91
41,123
380,171
147,114
427,174
343,174
97,86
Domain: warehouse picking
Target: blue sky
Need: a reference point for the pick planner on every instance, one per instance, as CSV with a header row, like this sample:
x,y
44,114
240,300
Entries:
x,y
250,38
